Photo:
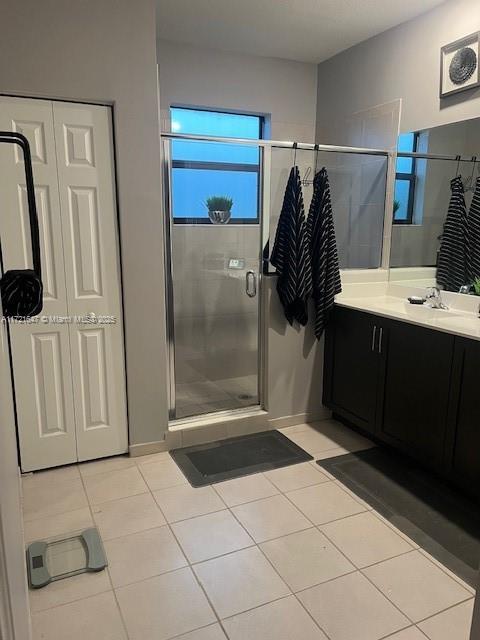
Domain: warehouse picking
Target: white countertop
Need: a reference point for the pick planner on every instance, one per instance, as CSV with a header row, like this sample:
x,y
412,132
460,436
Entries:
x,y
460,319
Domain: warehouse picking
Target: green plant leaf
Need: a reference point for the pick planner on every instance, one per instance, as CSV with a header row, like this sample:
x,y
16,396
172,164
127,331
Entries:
x,y
219,203
476,286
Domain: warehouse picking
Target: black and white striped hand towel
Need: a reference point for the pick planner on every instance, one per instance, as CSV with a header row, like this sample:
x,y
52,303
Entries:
x,y
323,251
473,236
452,259
290,254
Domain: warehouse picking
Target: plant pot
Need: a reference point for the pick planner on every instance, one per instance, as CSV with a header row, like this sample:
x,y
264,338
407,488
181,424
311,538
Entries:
x,y
219,217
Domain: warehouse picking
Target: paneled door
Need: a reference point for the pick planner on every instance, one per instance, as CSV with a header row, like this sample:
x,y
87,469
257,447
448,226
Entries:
x,y
87,201
69,374
41,351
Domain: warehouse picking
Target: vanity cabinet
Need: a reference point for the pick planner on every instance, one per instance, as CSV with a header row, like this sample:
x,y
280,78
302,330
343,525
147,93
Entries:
x,y
410,387
352,372
414,390
462,457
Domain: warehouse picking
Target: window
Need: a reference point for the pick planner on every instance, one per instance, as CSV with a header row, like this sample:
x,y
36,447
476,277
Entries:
x,y
201,170
405,180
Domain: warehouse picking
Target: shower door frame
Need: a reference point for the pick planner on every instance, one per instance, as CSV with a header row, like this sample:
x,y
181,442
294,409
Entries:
x,y
264,231
266,147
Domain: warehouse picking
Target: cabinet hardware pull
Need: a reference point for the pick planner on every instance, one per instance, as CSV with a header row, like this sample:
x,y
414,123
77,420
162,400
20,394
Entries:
x,y
380,340
374,335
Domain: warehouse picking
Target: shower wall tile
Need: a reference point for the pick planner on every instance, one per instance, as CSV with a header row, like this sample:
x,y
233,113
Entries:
x,y
372,182
367,224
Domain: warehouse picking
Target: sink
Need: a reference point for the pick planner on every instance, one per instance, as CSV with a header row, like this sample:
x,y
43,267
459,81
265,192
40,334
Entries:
x,y
420,311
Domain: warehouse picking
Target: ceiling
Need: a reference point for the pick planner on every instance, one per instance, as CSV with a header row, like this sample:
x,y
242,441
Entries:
x,y
304,30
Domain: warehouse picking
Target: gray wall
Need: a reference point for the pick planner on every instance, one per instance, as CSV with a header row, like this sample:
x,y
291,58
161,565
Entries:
x,y
286,92
403,62
284,89
105,52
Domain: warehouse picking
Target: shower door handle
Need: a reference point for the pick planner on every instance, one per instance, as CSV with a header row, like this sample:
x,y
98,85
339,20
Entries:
x,y
251,284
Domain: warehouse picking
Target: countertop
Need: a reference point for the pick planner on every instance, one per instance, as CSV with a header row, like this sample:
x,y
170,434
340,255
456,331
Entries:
x,y
460,319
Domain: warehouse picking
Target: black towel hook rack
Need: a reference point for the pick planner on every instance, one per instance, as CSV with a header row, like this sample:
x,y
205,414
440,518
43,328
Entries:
x,y
295,146
469,186
457,158
316,150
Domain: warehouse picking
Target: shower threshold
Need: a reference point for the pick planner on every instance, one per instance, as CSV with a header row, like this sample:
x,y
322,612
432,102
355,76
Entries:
x,y
218,417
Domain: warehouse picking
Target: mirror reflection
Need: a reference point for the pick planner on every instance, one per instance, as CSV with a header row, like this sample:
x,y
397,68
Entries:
x,y
436,209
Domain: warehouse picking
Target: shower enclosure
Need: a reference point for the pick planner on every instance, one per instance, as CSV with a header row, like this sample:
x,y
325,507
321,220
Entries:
x,y
216,272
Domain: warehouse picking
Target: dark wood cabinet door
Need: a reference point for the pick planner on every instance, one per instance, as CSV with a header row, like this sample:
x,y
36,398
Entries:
x,y
463,444
415,383
352,366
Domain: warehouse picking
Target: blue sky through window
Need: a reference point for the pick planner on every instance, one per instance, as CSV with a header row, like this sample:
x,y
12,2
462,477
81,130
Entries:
x,y
402,191
195,179
405,179
406,142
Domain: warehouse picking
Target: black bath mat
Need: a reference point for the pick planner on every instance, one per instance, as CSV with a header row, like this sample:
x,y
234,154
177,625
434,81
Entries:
x,y
235,457
438,518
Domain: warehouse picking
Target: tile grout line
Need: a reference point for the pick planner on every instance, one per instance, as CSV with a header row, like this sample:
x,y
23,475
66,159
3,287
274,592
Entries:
x,y
190,567
392,635
358,570
124,624
257,544
452,606
391,526
280,577
452,575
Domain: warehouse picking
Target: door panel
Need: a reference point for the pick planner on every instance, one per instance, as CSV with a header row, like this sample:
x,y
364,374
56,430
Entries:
x,y
85,169
353,366
415,390
41,360
33,118
44,399
463,458
214,294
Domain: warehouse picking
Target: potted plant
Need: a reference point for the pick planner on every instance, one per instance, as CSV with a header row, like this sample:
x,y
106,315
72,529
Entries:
x,y
476,286
396,207
219,209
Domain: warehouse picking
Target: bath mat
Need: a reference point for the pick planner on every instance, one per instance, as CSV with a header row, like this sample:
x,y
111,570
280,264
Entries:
x,y
436,516
236,457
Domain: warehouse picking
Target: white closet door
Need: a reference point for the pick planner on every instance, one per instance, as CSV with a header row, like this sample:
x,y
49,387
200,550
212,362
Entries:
x,y
87,197
41,352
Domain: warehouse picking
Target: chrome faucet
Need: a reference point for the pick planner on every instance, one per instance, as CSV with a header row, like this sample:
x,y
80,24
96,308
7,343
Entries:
x,y
434,298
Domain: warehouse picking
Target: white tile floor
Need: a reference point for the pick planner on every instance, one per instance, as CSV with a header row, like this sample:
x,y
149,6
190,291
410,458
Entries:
x,y
286,555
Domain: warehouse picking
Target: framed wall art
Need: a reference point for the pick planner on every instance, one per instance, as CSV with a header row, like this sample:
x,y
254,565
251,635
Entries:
x,y
459,65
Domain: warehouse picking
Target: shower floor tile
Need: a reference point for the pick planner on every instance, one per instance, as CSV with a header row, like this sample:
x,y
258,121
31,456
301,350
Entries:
x,y
208,396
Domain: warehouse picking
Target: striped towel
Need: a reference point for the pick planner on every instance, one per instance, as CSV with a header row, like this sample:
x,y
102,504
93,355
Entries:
x,y
452,259
473,236
290,253
323,251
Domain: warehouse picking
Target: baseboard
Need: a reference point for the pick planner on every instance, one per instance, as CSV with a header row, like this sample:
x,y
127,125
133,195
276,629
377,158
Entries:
x,y
225,429
299,418
171,441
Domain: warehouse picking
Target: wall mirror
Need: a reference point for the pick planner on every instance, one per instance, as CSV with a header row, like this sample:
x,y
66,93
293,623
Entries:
x,y
431,159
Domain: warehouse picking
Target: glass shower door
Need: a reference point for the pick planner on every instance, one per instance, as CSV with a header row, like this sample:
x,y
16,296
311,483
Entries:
x,y
214,264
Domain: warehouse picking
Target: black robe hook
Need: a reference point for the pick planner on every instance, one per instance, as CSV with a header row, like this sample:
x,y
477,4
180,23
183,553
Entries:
x,y
316,150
